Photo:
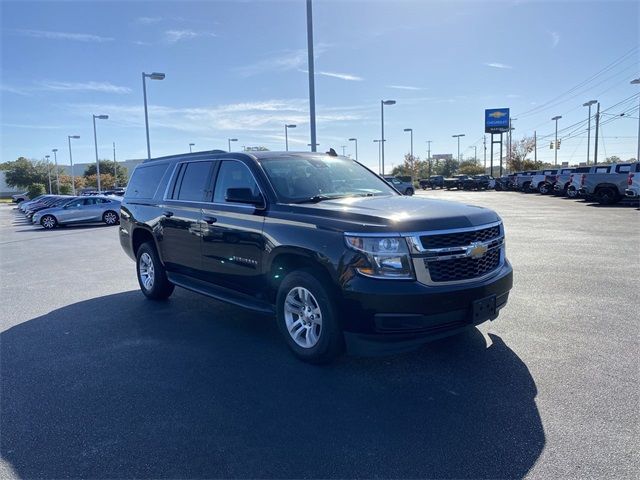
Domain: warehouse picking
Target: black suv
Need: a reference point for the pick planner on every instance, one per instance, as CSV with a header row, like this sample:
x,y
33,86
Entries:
x,y
321,242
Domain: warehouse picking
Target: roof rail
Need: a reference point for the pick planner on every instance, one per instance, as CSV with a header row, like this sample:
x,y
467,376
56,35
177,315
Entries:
x,y
189,155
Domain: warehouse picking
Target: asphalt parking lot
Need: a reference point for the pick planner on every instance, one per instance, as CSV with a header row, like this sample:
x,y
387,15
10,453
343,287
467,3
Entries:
x,y
98,382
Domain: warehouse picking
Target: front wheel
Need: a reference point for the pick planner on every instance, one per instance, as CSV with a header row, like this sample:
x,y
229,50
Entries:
x,y
152,276
544,188
49,222
110,217
307,318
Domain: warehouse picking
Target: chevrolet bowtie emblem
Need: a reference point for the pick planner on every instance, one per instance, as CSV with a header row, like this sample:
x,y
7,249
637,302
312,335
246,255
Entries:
x,y
476,250
497,114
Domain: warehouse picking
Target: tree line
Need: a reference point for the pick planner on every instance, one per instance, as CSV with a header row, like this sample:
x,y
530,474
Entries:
x,y
41,176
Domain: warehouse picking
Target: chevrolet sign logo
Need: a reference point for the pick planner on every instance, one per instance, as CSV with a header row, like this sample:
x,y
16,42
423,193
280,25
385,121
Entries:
x,y
497,114
476,250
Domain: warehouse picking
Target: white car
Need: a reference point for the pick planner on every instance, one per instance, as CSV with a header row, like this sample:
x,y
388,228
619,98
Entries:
x,y
633,183
540,183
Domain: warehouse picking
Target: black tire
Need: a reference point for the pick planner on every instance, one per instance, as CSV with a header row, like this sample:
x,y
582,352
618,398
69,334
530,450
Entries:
x,y
409,192
110,217
330,341
433,187
608,196
161,288
544,188
49,222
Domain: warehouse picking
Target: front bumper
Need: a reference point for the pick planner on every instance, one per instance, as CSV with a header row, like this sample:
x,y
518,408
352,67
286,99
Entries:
x,y
381,316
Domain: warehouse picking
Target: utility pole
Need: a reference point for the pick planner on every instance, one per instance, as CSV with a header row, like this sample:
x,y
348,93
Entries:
x,y
588,104
595,148
484,144
535,147
312,88
49,172
475,153
115,167
556,118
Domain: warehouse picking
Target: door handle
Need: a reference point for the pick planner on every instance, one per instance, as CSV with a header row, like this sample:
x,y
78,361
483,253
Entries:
x,y
167,214
210,220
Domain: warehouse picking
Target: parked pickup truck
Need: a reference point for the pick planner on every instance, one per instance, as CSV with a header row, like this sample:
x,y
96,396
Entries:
x,y
539,182
573,189
454,182
564,179
478,182
607,188
502,183
633,184
433,182
522,180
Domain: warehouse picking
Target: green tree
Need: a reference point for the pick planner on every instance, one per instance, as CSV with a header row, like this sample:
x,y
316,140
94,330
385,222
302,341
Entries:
x,y
23,172
470,167
106,181
107,167
36,189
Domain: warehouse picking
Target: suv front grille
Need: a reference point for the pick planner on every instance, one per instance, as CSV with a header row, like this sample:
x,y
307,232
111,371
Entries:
x,y
459,269
460,239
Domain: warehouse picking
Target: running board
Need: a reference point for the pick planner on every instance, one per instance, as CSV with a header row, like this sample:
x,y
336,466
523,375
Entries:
x,y
221,293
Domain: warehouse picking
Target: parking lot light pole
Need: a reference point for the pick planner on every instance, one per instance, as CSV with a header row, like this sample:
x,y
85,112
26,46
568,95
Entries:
x,y
152,76
229,140
55,159
458,137
637,82
115,167
556,118
382,104
356,141
47,157
73,180
379,142
588,104
411,131
190,147
286,136
95,143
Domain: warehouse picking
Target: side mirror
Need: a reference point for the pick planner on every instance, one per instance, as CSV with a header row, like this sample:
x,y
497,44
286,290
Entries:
x,y
243,195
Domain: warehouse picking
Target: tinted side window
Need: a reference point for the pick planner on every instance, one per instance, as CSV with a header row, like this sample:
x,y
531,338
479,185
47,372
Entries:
x,y
624,168
90,201
145,181
233,175
194,182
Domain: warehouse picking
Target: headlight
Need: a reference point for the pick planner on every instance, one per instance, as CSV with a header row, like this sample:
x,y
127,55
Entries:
x,y
387,257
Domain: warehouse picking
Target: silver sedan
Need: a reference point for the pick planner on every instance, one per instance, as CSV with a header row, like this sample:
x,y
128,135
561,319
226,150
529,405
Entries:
x,y
81,210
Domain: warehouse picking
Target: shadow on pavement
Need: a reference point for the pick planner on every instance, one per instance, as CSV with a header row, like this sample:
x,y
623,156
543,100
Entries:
x,y
119,386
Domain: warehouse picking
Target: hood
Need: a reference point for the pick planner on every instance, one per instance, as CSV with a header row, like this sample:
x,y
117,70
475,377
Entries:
x,y
398,213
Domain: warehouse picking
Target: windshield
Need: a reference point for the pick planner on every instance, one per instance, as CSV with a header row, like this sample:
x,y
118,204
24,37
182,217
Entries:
x,y
300,179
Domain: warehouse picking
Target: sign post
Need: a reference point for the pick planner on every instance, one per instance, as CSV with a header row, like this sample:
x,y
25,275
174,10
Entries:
x,y
496,120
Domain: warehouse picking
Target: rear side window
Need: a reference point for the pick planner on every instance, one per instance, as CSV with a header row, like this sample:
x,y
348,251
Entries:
x,y
145,181
195,178
624,168
602,170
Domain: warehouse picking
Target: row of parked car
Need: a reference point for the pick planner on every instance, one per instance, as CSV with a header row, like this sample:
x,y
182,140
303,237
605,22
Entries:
x,y
607,184
50,211
461,182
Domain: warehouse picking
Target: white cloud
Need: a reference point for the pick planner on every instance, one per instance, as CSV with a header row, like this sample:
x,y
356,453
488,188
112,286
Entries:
x,y
404,87
148,20
173,36
555,39
78,37
261,116
104,87
16,90
498,65
288,60
342,76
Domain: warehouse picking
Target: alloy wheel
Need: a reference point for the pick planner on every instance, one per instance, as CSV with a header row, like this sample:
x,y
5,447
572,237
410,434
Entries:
x,y
303,317
110,218
146,271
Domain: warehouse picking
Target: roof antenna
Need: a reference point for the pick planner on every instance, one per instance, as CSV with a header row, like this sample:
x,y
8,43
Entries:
x,y
332,152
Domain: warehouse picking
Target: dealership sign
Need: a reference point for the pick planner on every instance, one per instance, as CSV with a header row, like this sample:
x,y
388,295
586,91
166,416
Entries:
x,y
496,120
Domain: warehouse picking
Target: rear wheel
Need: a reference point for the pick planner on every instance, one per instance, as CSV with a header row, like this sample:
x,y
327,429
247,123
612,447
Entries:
x,y
307,318
110,217
607,196
49,222
152,276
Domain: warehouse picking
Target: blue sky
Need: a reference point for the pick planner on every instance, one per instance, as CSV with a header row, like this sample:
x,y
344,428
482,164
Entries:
x,y
238,70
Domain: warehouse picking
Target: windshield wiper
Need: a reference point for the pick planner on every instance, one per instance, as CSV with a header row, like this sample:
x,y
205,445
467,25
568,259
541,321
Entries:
x,y
319,198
